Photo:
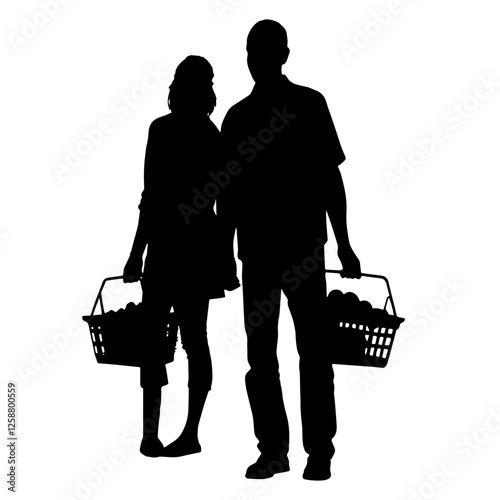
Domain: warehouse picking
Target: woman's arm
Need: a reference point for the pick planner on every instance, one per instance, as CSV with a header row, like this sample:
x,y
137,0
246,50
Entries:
x,y
133,268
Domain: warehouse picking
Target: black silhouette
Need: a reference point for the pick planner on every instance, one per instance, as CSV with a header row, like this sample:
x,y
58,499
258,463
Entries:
x,y
186,264
115,334
284,144
362,334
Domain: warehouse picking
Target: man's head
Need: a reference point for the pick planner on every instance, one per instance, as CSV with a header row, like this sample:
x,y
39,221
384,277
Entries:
x,y
267,49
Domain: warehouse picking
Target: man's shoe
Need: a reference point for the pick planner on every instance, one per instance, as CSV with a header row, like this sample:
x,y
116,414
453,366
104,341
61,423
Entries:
x,y
317,469
266,467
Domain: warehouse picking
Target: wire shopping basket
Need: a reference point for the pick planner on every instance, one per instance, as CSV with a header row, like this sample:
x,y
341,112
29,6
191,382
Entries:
x,y
362,334
118,336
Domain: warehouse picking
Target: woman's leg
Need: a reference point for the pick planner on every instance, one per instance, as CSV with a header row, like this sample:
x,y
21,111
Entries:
x,y
153,378
153,374
151,446
192,318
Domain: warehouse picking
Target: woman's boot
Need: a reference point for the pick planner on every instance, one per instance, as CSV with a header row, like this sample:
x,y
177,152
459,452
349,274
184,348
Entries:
x,y
151,446
187,443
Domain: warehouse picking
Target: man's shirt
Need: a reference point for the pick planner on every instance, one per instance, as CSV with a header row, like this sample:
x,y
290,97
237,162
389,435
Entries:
x,y
285,142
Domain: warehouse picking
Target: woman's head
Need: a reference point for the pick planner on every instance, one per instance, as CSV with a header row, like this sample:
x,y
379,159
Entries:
x,y
192,88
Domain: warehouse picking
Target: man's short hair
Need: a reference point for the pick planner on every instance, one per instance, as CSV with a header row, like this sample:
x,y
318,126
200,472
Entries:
x,y
269,34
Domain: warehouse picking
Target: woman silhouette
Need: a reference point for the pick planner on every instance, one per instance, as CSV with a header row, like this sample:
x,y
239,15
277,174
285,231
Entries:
x,y
185,263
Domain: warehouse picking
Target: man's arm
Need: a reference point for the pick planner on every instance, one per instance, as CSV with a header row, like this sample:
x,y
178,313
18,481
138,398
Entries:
x,y
226,212
336,208
335,198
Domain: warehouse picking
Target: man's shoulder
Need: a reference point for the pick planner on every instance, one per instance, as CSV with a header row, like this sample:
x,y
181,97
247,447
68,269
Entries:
x,y
240,107
292,88
296,93
306,93
236,113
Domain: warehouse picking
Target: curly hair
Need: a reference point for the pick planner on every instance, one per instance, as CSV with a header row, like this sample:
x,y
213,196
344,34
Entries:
x,y
192,87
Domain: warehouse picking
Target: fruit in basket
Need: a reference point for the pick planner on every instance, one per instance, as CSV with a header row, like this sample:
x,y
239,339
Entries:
x,y
379,317
350,304
365,309
347,307
335,297
350,299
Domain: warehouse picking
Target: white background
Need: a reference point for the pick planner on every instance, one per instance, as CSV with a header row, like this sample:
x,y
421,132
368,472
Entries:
x,y
434,235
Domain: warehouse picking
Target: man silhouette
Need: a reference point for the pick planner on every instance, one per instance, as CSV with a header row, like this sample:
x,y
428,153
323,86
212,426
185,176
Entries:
x,y
283,151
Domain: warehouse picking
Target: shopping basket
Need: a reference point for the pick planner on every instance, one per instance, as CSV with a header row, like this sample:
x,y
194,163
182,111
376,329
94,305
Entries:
x,y
362,335
123,337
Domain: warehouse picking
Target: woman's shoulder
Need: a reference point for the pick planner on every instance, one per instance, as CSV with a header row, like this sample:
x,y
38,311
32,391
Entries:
x,y
162,121
173,122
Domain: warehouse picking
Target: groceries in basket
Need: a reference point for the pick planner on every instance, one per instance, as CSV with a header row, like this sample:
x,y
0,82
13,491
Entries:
x,y
358,333
122,338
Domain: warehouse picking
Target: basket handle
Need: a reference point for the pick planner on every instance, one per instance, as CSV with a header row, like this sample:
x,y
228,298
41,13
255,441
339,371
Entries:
x,y
378,276
99,293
